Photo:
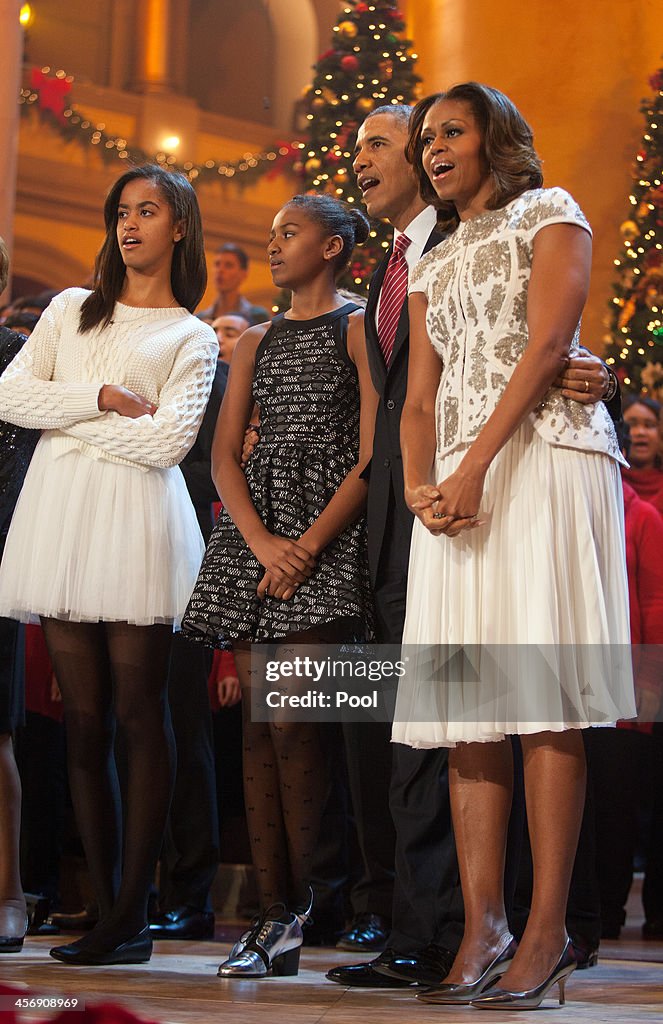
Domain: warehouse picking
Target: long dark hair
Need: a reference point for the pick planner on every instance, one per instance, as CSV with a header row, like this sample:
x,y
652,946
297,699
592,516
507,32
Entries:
x,y
188,273
507,141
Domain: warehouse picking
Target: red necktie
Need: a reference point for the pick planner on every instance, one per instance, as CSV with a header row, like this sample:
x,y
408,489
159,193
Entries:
x,y
392,297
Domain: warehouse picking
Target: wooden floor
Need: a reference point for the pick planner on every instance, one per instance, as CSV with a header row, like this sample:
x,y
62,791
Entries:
x,y
180,986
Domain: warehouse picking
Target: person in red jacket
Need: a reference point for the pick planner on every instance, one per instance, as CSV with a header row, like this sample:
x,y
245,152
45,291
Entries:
x,y
621,758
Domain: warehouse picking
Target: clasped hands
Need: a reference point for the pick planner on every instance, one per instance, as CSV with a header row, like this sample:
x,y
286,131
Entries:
x,y
287,564
585,379
450,506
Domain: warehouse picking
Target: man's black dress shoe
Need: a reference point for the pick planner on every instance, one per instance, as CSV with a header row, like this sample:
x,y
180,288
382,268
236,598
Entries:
x,y
136,950
367,932
427,966
586,955
653,930
183,923
365,975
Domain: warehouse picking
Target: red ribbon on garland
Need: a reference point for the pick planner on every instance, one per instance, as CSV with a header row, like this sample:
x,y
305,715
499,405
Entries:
x,y
51,91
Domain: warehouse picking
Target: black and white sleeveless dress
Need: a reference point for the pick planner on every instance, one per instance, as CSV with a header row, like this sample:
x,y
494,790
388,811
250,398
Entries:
x,y
307,389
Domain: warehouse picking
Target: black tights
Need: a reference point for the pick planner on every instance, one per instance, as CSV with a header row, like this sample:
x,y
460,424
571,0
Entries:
x,y
114,674
285,784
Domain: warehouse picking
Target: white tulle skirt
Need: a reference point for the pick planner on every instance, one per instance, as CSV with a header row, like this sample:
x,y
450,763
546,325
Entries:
x,y
536,598
92,540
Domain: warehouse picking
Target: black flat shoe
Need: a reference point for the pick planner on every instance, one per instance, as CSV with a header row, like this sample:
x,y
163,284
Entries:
x,y
367,932
136,950
183,923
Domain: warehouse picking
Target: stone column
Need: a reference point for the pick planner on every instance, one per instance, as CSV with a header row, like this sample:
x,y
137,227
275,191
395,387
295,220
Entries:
x,y
11,57
295,50
153,72
163,112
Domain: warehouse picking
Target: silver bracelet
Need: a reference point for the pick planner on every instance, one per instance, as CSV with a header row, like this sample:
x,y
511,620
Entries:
x,y
613,385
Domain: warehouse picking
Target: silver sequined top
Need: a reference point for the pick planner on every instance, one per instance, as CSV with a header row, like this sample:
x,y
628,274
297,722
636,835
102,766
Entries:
x,y
476,284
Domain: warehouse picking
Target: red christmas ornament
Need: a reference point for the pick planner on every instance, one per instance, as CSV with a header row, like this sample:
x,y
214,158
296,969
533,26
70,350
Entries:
x,y
52,92
656,80
326,55
349,63
361,8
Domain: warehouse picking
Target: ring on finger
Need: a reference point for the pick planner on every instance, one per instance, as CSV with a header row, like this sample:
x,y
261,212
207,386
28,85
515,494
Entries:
x,y
586,387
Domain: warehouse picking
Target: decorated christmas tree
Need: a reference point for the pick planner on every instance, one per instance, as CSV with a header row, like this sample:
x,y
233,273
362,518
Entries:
x,y
635,341
368,65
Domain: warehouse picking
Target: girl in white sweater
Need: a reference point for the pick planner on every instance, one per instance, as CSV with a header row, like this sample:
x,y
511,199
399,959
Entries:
x,y
104,545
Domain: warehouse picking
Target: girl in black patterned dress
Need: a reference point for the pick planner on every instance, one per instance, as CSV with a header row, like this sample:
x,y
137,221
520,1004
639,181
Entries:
x,y
287,558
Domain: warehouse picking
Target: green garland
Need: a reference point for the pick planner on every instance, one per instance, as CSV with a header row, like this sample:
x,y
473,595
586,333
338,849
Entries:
x,y
47,97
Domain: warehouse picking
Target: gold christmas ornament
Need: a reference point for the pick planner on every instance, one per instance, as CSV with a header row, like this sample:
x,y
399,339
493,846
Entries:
x,y
629,230
318,103
364,105
348,29
313,165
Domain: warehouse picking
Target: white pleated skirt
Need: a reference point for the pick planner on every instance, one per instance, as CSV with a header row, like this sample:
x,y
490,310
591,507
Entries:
x,y
521,625
93,540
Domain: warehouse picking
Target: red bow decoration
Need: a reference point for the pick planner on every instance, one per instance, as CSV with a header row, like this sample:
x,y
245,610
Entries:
x,y
52,92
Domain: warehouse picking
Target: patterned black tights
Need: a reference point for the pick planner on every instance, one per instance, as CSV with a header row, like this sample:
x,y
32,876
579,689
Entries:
x,y
285,786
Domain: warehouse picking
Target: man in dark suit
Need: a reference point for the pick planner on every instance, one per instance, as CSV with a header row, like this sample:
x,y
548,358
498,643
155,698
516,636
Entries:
x,y
427,909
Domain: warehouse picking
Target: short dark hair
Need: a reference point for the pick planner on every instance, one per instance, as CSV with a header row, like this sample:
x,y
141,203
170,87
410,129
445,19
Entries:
x,y
40,301
336,218
20,319
188,274
400,111
237,251
507,140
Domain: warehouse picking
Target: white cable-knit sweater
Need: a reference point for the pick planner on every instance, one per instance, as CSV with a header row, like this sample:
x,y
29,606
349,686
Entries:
x,y
167,356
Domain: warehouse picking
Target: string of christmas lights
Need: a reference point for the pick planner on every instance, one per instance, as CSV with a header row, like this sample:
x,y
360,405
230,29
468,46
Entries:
x,y
635,319
47,93
369,64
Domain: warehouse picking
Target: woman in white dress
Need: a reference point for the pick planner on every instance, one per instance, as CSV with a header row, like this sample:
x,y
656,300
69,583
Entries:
x,y
104,545
517,550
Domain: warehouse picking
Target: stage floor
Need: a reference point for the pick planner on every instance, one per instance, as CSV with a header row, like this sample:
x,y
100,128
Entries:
x,y
180,986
